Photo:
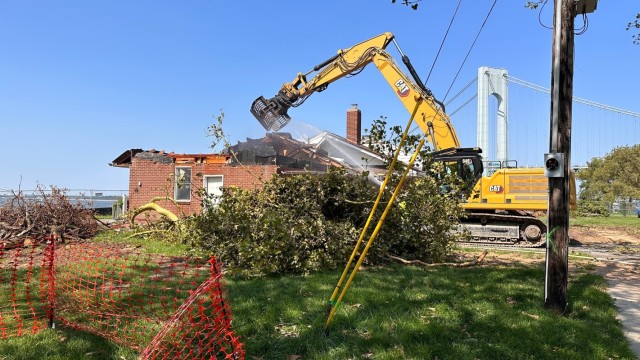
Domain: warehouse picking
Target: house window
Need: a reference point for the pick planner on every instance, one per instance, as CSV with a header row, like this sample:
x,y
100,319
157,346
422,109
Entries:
x,y
213,186
182,186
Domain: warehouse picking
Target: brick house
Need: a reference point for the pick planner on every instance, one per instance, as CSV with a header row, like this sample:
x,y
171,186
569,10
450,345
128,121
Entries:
x,y
184,177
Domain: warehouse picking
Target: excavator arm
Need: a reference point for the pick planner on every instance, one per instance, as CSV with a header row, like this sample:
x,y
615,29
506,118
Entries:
x,y
430,116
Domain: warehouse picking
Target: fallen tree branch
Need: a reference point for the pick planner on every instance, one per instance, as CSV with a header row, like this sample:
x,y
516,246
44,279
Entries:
x,y
151,205
144,233
104,225
452,264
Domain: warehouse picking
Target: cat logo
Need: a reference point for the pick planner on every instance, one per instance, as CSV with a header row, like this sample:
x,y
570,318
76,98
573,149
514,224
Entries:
x,y
496,189
402,88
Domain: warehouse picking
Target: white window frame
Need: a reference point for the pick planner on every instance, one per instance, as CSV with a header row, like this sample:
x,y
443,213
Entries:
x,y
175,183
204,184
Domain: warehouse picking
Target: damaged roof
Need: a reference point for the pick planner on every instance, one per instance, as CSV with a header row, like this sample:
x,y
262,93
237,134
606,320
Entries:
x,y
124,160
282,150
160,156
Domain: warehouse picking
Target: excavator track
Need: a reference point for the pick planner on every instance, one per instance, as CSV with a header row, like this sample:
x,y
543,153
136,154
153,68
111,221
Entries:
x,y
492,229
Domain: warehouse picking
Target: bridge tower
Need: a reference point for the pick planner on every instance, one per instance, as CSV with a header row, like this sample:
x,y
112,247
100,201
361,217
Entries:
x,y
492,81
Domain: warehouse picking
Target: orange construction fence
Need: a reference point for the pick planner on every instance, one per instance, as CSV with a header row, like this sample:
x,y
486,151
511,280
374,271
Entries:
x,y
165,307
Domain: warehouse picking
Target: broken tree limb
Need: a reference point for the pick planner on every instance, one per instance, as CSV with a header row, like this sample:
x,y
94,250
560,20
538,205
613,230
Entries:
x,y
141,233
452,264
104,225
155,207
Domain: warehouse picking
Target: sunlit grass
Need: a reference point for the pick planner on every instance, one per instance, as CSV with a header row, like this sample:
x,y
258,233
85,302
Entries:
x,y
397,312
412,313
631,221
149,246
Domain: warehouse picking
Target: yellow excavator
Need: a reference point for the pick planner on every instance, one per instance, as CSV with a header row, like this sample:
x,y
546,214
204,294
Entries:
x,y
500,209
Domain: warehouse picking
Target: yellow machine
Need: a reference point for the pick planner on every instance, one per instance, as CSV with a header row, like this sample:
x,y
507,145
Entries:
x,y
500,207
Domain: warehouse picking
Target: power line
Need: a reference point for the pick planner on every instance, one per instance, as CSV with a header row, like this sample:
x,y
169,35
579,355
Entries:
x,y
470,48
443,40
540,14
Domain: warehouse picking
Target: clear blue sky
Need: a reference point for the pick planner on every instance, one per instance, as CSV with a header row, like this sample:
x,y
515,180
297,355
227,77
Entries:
x,y
82,81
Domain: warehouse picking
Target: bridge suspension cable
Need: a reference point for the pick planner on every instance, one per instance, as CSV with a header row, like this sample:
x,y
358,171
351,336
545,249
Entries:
x,y
576,99
463,90
463,105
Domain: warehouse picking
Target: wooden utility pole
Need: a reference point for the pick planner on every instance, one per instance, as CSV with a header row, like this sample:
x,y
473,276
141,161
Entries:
x,y
559,158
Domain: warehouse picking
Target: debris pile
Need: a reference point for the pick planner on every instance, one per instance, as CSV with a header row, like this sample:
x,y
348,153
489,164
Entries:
x,y
26,217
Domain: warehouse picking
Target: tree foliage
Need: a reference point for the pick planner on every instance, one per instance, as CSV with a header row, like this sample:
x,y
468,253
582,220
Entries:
x,y
591,208
429,205
412,3
292,225
299,224
612,177
635,24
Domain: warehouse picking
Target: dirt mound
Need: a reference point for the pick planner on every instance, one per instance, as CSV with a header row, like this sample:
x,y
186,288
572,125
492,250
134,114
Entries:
x,y
604,235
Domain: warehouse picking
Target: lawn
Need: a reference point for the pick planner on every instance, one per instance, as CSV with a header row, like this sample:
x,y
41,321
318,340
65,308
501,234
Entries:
x,y
59,344
413,313
631,222
396,312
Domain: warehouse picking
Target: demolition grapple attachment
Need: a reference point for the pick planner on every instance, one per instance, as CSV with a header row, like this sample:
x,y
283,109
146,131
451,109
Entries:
x,y
271,113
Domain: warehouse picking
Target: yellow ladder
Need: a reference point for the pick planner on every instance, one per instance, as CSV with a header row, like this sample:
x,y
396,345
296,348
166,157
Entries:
x,y
337,295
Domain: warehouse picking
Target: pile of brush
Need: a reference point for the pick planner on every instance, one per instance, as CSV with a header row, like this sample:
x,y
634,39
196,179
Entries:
x,y
28,218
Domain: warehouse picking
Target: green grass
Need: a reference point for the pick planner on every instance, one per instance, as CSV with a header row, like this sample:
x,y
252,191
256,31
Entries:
x,y
397,312
61,343
48,344
133,272
150,246
611,221
412,313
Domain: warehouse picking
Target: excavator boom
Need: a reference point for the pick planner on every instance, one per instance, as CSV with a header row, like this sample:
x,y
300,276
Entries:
x,y
272,113
431,118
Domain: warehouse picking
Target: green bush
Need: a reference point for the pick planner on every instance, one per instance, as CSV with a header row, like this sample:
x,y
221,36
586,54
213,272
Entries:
x,y
305,223
591,208
294,224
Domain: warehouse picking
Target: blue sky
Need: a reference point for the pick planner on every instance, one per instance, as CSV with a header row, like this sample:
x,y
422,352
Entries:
x,y
80,82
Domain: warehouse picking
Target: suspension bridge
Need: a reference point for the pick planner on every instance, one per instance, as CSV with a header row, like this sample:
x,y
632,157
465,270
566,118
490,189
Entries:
x,y
509,119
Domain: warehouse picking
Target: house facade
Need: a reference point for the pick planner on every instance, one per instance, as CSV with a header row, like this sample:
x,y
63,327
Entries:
x,y
246,165
185,177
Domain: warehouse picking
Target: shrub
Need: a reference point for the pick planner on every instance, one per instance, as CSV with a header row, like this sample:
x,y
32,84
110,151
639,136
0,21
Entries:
x,y
591,208
294,224
305,223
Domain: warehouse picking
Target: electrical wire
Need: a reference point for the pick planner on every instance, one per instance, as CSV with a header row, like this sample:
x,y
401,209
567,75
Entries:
x,y
580,31
585,25
540,14
443,40
470,48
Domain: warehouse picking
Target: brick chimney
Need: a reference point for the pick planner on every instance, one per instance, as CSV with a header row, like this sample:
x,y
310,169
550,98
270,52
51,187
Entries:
x,y
354,120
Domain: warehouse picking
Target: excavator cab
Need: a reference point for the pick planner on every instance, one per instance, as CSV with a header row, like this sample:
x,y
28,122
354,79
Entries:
x,y
465,162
